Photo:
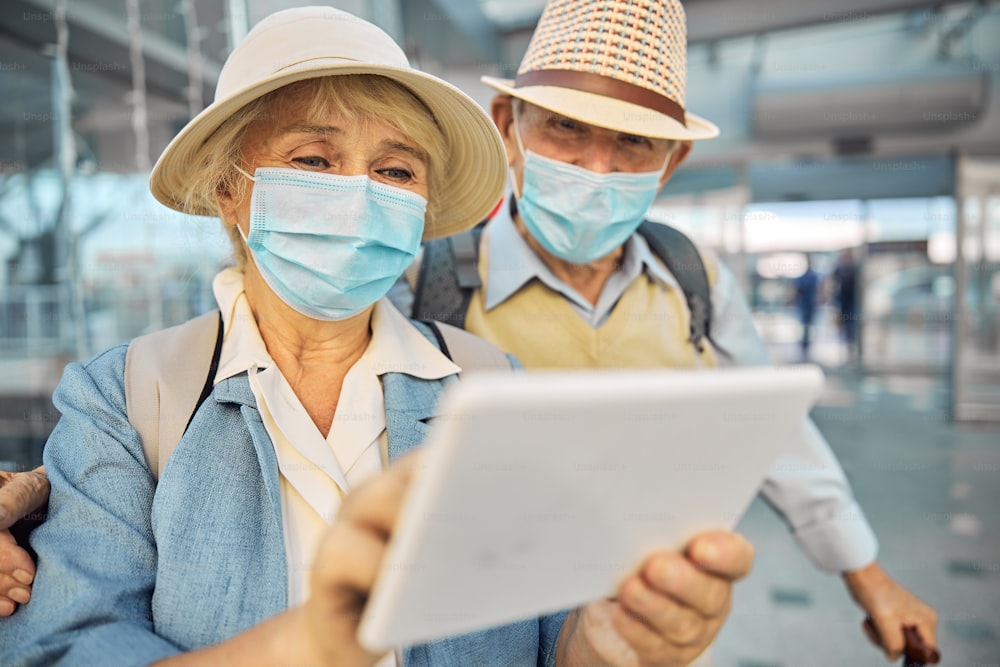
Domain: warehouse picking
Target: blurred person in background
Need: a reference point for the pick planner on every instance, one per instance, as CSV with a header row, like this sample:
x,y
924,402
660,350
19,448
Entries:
x,y
807,297
845,297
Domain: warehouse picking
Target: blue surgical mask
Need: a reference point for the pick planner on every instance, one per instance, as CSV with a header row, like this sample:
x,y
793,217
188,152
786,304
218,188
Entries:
x,y
580,215
330,246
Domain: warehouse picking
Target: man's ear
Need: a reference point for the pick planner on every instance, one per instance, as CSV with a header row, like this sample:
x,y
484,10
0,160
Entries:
x,y
502,110
679,155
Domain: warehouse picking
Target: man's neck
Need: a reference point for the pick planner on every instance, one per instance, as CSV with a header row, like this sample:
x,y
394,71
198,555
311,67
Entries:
x,y
587,280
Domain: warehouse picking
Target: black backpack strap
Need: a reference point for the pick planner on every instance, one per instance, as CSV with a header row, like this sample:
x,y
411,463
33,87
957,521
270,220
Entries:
x,y
439,337
682,259
449,275
213,369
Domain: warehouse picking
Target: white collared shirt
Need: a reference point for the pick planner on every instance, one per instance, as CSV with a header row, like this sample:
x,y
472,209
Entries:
x,y
315,472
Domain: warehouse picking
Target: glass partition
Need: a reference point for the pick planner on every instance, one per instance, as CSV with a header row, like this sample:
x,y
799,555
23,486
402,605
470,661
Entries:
x,y
976,369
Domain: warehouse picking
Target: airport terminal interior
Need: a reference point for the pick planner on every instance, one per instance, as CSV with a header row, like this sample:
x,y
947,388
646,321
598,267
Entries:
x,y
860,141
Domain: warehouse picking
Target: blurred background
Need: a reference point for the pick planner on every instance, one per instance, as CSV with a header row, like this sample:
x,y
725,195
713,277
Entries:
x,y
859,167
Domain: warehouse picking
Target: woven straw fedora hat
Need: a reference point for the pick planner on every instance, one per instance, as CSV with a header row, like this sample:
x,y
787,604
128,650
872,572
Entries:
x,y
618,64
309,42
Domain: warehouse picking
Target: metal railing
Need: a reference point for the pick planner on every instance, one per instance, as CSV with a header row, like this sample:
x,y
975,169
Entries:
x,y
36,321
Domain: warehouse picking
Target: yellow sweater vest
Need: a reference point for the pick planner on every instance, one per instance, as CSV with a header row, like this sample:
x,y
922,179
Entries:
x,y
647,328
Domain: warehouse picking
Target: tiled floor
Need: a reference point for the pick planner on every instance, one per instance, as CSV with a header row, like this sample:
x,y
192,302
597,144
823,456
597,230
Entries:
x,y
931,490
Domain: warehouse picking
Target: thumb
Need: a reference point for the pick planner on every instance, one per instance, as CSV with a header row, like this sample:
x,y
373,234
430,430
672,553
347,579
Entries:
x,y
885,632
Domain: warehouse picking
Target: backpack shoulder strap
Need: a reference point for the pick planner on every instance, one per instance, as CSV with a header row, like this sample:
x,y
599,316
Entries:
x,y
166,382
449,274
471,353
681,257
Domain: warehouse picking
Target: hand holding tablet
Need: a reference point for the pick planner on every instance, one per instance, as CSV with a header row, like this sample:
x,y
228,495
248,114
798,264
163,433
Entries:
x,y
544,491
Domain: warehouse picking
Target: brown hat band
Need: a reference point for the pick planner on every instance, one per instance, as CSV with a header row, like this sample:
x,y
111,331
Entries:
x,y
604,86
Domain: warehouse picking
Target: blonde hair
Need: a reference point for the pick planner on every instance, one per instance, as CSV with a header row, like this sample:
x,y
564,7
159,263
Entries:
x,y
358,98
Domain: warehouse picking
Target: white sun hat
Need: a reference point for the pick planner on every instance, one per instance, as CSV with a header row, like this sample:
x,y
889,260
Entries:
x,y
310,42
618,64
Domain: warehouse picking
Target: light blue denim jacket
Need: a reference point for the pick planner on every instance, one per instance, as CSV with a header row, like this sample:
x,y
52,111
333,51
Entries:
x,y
127,576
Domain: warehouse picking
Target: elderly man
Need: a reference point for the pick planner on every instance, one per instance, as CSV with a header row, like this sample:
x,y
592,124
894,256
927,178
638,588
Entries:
x,y
563,276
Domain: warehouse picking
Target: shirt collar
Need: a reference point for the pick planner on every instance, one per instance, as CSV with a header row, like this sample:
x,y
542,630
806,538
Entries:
x,y
396,346
512,263
242,346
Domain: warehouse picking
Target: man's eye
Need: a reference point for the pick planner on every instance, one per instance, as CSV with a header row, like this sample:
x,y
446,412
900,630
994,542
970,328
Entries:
x,y
635,139
567,124
312,161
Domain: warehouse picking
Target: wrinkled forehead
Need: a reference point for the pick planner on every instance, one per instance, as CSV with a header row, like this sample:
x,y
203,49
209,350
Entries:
x,y
330,110
538,117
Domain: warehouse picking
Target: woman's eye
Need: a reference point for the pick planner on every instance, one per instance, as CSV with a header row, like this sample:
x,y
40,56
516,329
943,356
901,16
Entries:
x,y
396,173
313,161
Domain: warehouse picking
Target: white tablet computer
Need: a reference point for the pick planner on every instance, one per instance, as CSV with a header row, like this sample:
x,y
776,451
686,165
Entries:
x,y
539,491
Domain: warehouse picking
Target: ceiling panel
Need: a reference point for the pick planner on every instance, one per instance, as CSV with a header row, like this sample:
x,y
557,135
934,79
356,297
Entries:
x,y
710,20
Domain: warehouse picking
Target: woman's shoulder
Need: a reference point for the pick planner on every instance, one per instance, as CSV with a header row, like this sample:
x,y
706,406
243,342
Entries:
x,y
111,358
161,354
104,370
93,425
93,390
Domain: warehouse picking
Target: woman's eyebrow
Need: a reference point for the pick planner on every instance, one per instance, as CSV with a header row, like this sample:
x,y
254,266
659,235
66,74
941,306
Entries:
x,y
326,130
314,129
415,152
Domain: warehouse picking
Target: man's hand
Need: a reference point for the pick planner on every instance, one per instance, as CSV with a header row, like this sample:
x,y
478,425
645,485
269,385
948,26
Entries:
x,y
20,495
666,614
891,607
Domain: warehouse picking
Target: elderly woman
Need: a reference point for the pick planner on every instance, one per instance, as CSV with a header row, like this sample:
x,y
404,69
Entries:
x,y
328,159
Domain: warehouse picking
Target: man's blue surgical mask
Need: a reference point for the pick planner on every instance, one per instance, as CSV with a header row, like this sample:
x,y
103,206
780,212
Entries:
x,y
330,246
580,215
